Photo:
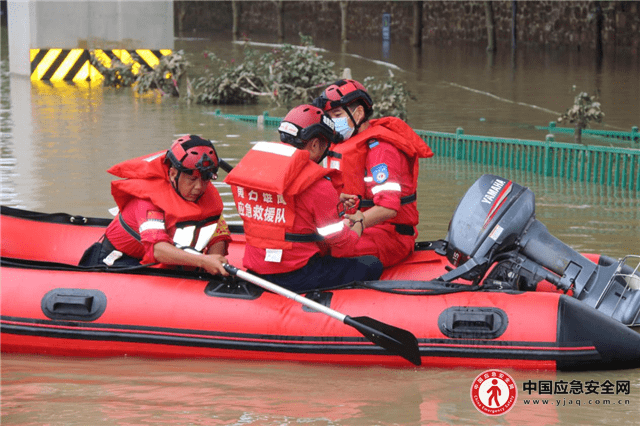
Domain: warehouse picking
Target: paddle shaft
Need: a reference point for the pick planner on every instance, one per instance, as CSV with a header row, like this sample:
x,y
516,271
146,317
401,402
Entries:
x,y
284,292
393,339
225,166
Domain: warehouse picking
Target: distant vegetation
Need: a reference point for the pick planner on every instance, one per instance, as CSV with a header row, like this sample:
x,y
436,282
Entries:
x,y
165,77
390,97
285,76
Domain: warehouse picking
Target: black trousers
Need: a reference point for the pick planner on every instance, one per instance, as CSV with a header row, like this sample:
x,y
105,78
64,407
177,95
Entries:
x,y
327,272
94,255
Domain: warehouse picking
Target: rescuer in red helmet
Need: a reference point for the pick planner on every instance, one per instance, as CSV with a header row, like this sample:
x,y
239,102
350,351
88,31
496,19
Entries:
x,y
287,201
169,212
379,159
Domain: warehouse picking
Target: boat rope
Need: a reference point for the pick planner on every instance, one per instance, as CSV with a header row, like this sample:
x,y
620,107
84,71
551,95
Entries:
x,y
54,217
418,288
43,265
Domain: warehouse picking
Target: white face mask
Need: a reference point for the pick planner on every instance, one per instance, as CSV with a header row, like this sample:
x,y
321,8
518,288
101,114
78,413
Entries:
x,y
342,127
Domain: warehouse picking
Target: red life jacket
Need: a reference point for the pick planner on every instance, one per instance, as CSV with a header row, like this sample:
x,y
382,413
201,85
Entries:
x,y
264,186
191,225
350,156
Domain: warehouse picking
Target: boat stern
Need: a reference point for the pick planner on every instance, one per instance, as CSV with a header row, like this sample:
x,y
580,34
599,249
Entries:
x,y
607,344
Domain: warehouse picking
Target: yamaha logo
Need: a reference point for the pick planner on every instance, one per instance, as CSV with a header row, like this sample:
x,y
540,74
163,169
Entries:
x,y
491,193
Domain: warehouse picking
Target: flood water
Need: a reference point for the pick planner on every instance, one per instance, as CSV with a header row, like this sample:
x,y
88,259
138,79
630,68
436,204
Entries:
x,y
58,140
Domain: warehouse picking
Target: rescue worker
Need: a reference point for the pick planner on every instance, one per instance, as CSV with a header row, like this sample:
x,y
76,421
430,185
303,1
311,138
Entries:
x,y
169,212
379,159
289,206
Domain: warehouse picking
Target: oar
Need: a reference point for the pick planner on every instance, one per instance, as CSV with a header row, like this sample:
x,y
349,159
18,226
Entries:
x,y
395,340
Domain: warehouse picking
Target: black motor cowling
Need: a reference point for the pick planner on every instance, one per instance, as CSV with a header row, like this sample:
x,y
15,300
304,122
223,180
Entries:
x,y
490,218
495,223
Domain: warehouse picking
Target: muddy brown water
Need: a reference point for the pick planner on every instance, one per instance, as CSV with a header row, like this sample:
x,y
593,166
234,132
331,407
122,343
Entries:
x,y
58,140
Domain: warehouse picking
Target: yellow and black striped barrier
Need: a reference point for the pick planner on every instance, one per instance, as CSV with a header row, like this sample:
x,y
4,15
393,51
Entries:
x,y
75,64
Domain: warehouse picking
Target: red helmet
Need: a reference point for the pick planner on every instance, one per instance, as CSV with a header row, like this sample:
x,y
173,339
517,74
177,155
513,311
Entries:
x,y
192,153
343,93
306,122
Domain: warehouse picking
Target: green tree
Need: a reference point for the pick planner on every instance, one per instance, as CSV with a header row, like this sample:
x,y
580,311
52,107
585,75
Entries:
x,y
584,110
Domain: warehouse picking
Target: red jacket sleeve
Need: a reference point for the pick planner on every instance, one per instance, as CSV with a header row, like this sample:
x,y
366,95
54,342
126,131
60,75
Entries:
x,y
148,220
321,199
386,172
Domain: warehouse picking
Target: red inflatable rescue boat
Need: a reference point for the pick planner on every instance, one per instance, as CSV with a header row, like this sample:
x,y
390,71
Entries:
x,y
477,315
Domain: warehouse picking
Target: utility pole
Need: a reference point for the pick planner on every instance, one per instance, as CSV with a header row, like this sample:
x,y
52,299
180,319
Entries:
x,y
416,40
344,5
280,9
491,27
599,29
514,35
235,19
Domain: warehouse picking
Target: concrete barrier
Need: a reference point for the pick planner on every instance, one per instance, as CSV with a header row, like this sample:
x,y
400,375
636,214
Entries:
x,y
60,35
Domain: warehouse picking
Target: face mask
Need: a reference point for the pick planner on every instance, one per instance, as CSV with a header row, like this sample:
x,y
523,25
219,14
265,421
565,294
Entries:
x,y
342,127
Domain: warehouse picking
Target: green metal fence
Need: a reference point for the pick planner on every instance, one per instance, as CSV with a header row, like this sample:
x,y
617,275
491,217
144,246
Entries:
x,y
255,119
611,166
632,136
619,167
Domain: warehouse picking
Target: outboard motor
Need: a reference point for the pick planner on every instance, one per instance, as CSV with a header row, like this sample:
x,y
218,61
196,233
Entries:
x,y
495,225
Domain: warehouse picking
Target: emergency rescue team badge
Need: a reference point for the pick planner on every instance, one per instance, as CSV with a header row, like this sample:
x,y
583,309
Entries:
x,y
494,392
380,173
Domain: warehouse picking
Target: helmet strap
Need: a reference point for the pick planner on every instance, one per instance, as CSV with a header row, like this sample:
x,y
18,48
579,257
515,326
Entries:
x,y
174,181
356,126
325,153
